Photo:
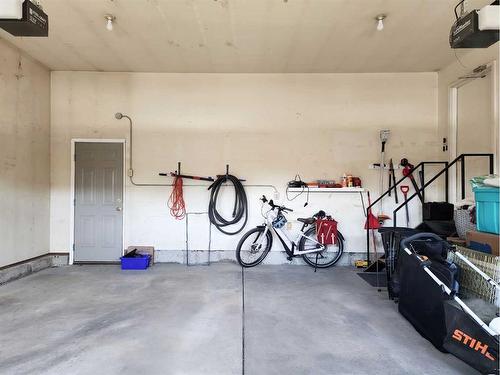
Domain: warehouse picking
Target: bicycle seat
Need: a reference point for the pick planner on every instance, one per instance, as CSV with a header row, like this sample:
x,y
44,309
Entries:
x,y
306,220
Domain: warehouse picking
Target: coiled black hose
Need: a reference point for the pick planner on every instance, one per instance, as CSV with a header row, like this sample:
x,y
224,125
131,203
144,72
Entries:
x,y
240,209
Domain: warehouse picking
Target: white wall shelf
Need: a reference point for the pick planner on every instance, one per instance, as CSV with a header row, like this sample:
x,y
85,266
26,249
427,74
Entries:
x,y
386,167
328,190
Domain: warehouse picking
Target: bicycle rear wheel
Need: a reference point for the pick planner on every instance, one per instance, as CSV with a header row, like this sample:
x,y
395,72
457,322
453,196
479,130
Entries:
x,y
253,247
326,258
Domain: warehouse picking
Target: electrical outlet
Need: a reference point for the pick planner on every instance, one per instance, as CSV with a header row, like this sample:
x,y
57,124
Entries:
x,y
276,195
445,145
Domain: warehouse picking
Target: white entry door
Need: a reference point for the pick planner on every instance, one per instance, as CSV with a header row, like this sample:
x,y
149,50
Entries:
x,y
98,202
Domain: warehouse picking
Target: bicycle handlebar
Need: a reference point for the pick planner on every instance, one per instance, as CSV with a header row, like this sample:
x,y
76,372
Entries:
x,y
273,206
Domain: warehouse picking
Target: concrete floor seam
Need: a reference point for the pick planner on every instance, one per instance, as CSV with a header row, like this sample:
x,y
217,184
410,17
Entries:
x,y
242,321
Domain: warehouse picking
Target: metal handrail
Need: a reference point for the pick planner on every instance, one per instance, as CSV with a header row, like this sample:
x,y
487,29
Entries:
x,y
419,165
368,209
460,158
420,191
393,187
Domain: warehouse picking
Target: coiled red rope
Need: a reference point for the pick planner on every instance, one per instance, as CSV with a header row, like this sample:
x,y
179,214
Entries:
x,y
176,200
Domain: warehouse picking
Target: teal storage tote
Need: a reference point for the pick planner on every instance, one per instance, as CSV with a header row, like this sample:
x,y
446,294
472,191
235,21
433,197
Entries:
x,y
487,203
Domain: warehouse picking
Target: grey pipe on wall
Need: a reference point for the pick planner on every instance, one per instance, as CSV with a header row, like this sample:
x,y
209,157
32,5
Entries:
x,y
130,171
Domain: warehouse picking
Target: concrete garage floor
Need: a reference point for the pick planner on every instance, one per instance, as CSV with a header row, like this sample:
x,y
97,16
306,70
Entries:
x,y
174,319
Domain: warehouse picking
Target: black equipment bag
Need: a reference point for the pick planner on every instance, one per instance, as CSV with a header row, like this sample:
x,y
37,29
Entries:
x,y
467,340
443,228
437,211
426,244
420,298
432,247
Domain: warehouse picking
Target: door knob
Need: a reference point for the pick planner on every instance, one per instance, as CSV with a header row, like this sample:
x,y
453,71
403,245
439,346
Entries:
x,y
118,208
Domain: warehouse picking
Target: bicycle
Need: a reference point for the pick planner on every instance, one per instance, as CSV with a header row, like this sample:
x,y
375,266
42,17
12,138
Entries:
x,y
254,246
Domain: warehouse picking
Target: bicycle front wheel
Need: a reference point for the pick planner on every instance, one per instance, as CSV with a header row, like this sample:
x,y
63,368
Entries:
x,y
253,247
321,259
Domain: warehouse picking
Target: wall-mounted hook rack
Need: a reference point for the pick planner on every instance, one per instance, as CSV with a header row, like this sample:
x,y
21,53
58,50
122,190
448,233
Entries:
x,y
227,174
178,173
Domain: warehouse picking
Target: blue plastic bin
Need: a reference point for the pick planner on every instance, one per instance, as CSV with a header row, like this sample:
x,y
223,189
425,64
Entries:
x,y
136,263
487,204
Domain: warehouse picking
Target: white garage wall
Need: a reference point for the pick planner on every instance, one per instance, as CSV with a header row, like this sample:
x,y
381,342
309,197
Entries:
x,y
24,156
268,127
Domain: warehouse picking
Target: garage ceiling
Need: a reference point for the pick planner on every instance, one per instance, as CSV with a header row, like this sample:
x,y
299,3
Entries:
x,y
245,35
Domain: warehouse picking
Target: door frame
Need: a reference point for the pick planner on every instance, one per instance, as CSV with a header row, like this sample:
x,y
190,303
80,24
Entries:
x,y
453,121
74,141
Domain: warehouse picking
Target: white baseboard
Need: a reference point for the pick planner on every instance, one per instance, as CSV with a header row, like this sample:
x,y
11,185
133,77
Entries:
x,y
202,257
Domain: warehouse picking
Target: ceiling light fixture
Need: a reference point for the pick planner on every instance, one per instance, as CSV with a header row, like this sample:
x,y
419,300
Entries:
x,y
110,19
380,21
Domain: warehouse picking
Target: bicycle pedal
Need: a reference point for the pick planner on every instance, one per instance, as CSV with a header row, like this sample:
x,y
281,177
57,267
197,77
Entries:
x,y
289,258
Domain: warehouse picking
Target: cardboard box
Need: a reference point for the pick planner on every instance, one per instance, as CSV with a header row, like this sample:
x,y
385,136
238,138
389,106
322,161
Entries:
x,y
481,241
143,250
456,241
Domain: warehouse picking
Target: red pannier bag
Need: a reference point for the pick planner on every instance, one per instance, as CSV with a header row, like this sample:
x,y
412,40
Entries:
x,y
326,231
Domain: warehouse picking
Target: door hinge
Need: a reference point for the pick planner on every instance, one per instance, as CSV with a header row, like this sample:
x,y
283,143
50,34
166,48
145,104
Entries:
x,y
73,247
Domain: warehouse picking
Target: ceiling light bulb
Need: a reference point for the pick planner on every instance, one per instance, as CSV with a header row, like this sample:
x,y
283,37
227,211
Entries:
x,y
380,25
380,21
109,21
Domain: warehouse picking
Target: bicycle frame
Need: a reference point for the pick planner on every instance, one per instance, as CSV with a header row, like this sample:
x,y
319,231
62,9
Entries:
x,y
290,245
